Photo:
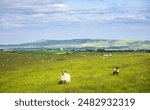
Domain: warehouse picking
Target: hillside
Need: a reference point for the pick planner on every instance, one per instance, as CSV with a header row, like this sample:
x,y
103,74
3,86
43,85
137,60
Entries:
x,y
81,44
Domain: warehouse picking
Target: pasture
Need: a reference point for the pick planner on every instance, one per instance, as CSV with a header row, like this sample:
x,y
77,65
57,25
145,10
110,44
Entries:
x,y
91,72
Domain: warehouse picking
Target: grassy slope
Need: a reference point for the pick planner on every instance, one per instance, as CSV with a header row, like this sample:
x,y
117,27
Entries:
x,y
89,72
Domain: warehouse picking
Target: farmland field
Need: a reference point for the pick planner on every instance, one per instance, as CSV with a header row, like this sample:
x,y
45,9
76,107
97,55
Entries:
x,y
91,72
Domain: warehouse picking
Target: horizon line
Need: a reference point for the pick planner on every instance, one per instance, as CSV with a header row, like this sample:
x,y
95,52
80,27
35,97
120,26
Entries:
x,y
73,39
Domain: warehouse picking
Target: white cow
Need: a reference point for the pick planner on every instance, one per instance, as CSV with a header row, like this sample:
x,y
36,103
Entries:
x,y
65,77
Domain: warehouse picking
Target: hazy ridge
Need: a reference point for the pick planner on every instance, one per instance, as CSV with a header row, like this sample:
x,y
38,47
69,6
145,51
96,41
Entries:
x,y
82,44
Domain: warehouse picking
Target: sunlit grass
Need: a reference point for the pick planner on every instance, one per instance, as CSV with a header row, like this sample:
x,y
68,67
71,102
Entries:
x,y
90,72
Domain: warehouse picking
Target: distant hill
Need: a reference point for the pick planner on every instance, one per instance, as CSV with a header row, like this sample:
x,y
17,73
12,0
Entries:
x,y
81,44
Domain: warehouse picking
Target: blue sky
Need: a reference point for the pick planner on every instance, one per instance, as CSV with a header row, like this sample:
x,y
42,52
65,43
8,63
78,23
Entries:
x,y
31,20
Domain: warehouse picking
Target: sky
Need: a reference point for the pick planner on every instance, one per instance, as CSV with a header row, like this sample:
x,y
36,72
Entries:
x,y
32,20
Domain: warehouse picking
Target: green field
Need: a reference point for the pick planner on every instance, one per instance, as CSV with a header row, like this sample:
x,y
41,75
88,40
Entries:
x,y
39,72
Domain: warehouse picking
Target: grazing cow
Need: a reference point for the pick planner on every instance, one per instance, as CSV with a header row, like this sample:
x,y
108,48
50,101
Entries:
x,y
116,71
65,78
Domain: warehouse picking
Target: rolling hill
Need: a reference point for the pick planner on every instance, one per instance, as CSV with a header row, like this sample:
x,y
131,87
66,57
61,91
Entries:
x,y
81,44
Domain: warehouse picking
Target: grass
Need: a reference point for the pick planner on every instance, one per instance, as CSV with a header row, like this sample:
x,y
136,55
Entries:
x,y
39,72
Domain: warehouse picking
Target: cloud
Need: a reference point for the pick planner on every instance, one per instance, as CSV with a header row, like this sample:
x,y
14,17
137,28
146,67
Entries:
x,y
28,13
16,13
33,6
52,8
